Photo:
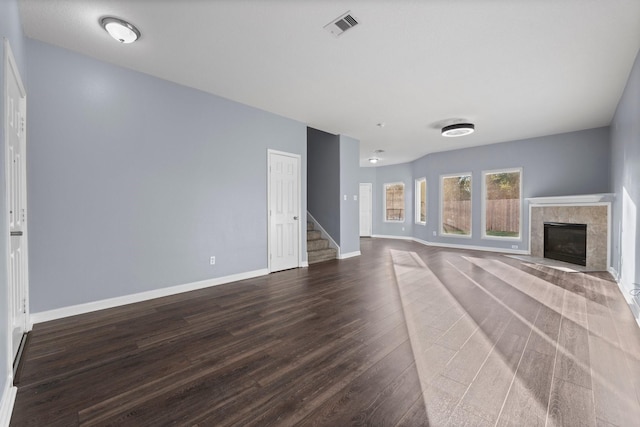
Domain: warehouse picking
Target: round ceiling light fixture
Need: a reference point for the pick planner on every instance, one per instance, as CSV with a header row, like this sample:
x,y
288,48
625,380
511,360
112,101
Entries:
x,y
375,159
458,129
120,30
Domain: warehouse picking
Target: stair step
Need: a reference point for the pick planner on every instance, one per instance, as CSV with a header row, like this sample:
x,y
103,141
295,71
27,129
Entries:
x,y
313,235
316,245
321,255
309,226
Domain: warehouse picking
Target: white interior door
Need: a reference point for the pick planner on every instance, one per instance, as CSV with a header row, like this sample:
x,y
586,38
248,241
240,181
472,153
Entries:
x,y
284,211
15,169
366,208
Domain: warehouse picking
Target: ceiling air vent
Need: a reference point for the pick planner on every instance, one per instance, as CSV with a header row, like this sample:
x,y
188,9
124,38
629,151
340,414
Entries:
x,y
341,24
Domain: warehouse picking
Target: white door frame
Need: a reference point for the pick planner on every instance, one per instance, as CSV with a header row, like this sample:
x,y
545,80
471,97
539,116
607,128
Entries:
x,y
299,195
10,68
370,186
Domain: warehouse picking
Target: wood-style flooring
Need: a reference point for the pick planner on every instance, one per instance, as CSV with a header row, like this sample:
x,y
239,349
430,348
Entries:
x,y
405,335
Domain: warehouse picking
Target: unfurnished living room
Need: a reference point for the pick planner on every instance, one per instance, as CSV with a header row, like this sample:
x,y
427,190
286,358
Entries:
x,y
382,213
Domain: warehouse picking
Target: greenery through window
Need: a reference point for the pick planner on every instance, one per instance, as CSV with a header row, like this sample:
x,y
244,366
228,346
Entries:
x,y
456,205
394,202
421,201
502,204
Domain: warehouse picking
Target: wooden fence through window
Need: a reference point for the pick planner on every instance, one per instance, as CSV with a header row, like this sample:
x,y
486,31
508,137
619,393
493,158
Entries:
x,y
456,216
501,215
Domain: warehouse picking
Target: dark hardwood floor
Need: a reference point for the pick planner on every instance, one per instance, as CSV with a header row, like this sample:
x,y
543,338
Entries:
x,y
405,335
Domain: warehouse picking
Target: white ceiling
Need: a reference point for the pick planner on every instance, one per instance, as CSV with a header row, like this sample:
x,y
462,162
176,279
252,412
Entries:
x,y
515,68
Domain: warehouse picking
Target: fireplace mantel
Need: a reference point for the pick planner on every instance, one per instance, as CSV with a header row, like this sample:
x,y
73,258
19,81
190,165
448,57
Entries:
x,y
572,200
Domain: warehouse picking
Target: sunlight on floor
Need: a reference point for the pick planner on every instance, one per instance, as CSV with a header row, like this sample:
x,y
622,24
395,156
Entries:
x,y
442,327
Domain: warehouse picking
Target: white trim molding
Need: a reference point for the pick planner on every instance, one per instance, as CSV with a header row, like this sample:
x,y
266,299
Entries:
x,y
388,236
384,202
473,248
441,206
7,400
349,255
631,302
483,211
59,313
417,199
572,200
455,246
302,227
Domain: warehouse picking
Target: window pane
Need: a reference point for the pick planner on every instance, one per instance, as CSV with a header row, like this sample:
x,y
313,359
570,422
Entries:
x,y
423,201
502,204
456,205
394,196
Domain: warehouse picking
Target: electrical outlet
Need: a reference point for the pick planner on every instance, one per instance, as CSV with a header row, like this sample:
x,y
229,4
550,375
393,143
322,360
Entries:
x,y
514,246
434,233
212,260
402,228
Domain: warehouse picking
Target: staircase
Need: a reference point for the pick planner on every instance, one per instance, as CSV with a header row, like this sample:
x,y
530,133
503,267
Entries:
x,y
318,249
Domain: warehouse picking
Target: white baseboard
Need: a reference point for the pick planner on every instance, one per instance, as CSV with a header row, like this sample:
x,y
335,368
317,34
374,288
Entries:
x,y
7,400
614,273
349,255
474,248
386,236
304,264
456,246
422,242
59,313
631,302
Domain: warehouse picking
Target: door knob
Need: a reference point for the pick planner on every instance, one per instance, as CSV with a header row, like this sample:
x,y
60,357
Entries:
x,y
295,217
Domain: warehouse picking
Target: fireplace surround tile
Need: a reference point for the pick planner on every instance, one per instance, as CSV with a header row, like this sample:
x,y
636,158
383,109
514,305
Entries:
x,y
596,218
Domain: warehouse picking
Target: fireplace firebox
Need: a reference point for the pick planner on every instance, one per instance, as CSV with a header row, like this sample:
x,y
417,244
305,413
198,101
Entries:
x,y
566,242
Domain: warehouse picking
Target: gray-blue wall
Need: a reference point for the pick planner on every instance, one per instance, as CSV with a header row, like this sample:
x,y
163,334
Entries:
x,y
11,29
134,182
349,186
388,175
625,178
555,165
323,191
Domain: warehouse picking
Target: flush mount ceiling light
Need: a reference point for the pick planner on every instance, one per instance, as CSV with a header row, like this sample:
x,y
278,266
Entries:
x,y
120,30
375,159
458,129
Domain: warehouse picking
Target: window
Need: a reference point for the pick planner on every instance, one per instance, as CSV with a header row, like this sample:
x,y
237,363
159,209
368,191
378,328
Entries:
x,y
501,204
394,202
455,196
421,201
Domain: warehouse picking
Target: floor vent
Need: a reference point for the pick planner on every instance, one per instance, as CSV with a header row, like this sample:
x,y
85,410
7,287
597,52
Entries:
x,y
338,26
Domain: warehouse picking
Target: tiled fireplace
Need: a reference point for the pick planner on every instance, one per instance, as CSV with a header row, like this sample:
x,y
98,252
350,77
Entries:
x,y
592,210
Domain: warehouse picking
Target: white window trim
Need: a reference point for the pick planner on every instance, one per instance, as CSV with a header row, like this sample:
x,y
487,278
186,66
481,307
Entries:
x,y
484,205
384,202
416,195
440,226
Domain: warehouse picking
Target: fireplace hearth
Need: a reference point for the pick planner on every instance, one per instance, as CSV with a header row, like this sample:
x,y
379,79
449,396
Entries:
x,y
566,242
